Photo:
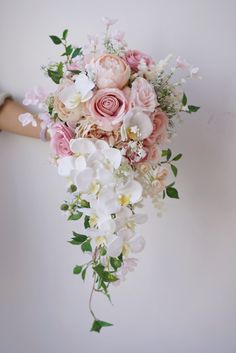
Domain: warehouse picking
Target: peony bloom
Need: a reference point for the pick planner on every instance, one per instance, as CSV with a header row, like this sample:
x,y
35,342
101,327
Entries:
x,y
111,71
134,58
107,107
60,139
143,95
160,124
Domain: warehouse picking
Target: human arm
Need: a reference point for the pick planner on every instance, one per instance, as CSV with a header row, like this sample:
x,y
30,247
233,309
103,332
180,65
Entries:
x,y
9,113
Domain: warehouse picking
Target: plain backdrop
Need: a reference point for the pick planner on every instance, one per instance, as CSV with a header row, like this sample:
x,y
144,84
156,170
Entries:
x,y
182,296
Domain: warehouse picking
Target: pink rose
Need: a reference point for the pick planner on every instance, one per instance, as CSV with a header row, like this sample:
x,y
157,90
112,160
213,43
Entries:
x,y
160,124
134,57
143,95
60,138
111,71
107,107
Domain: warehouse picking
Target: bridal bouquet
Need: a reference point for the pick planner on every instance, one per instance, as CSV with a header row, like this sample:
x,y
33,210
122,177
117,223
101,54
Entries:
x,y
111,115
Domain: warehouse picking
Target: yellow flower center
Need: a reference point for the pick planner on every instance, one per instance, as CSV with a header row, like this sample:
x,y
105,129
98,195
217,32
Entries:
x,y
94,187
124,200
100,240
133,133
93,221
125,249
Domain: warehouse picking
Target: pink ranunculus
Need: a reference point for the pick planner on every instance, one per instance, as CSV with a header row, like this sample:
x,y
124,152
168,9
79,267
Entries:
x,y
160,124
143,95
111,71
107,107
60,138
134,57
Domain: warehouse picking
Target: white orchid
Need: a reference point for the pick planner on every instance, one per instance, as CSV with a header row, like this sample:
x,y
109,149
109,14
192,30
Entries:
x,y
136,125
125,242
79,92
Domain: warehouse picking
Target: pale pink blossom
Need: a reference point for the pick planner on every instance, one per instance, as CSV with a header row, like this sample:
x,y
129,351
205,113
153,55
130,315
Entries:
x,y
109,21
35,97
26,119
60,139
111,71
194,73
143,95
134,58
182,63
107,107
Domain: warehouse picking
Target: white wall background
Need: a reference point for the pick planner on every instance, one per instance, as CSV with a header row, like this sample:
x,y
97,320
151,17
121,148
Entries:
x,y
182,296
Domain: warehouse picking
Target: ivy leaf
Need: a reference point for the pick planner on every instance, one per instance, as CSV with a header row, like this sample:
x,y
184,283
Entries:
x,y
56,40
98,325
76,52
83,274
177,157
75,72
86,222
78,239
86,246
115,263
77,269
172,192
99,269
75,216
184,99
174,169
168,155
64,35
109,277
193,108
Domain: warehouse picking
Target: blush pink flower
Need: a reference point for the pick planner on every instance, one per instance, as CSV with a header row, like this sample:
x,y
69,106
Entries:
x,y
107,107
134,57
143,95
160,124
111,71
60,139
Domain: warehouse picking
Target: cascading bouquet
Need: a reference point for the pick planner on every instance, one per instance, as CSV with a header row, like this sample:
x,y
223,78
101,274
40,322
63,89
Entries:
x,y
110,116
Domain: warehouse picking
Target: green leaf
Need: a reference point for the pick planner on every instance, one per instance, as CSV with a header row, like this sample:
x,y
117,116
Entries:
x,y
78,239
86,222
76,72
193,108
184,99
103,251
168,155
69,50
115,263
98,325
172,192
174,169
163,194
109,277
164,153
54,75
64,35
56,40
99,269
83,274
77,269
84,203
86,246
75,216
76,52
177,157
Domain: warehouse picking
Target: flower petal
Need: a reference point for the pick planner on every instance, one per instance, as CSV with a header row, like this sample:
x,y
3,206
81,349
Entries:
x,y
137,244
82,145
115,247
65,166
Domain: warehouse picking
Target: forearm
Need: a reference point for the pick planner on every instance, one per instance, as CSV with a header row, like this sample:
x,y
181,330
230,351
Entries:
x,y
9,113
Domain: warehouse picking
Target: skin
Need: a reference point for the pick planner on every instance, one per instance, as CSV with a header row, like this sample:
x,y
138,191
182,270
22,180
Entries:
x,y
9,113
